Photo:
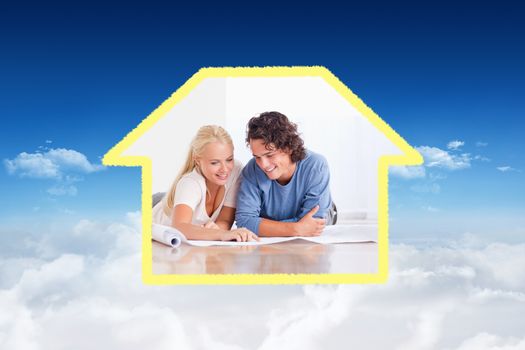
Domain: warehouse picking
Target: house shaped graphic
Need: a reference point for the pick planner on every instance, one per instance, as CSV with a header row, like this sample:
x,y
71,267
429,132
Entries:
x,y
333,121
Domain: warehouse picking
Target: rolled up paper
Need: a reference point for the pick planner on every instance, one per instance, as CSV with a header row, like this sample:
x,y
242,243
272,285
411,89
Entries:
x,y
167,235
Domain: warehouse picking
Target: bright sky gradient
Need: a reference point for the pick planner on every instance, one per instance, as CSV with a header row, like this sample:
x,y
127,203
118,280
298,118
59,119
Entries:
x,y
77,77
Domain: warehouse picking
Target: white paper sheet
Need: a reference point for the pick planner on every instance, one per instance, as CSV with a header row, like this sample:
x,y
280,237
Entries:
x,y
347,233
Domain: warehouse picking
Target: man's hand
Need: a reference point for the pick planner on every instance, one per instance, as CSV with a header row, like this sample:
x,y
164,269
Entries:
x,y
308,225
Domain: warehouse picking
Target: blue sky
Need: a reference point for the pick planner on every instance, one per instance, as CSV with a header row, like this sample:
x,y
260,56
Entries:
x,y
76,77
80,77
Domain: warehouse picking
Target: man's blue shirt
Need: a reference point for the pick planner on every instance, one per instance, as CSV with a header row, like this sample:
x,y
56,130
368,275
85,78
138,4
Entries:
x,y
259,197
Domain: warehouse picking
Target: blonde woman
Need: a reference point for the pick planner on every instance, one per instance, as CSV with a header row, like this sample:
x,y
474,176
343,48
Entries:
x,y
201,201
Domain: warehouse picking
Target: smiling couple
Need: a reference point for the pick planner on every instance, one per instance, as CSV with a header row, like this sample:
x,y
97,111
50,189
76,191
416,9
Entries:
x,y
283,191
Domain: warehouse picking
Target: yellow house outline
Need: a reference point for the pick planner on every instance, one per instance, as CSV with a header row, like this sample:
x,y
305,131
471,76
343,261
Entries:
x,y
410,157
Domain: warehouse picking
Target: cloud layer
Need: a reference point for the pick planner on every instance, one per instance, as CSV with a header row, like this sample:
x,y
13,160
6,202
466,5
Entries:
x,y
458,296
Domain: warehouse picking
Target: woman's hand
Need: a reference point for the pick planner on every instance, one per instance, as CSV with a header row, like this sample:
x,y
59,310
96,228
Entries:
x,y
239,235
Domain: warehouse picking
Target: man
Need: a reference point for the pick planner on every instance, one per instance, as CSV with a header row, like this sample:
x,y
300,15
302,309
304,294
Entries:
x,y
285,188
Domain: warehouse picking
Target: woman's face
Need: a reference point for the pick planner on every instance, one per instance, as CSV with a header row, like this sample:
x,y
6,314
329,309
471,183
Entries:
x,y
216,162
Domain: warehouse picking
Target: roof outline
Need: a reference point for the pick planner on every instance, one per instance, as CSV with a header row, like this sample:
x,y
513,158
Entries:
x,y
409,157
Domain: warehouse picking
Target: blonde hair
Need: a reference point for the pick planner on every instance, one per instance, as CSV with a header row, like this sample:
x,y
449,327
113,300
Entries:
x,y
205,135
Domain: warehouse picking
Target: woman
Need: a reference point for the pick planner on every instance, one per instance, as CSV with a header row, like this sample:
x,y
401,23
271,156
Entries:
x,y
201,201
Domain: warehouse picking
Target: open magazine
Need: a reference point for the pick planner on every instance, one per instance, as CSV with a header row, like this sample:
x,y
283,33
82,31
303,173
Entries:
x,y
347,233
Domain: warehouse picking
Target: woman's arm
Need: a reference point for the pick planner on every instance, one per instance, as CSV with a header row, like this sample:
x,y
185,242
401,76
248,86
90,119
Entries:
x,y
181,220
226,218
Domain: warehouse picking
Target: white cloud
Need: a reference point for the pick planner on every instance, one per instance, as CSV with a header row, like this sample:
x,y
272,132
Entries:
x,y
34,165
303,324
17,326
432,187
427,326
481,144
408,172
506,168
481,158
486,341
96,323
59,164
455,145
52,164
72,160
483,295
431,209
67,211
62,190
438,158
48,283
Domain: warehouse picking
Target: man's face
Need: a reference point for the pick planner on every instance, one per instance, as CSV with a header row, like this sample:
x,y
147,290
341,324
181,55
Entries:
x,y
276,163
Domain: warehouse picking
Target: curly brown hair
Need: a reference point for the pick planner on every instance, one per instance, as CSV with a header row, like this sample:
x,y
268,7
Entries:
x,y
277,131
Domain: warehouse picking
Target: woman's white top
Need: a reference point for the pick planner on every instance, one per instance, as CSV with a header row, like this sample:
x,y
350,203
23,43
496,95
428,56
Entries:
x,y
191,191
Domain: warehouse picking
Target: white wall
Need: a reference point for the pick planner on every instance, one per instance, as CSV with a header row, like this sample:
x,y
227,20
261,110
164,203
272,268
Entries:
x,y
328,123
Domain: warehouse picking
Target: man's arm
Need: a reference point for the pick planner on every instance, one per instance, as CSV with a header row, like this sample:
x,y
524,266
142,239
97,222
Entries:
x,y
306,226
317,191
249,208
